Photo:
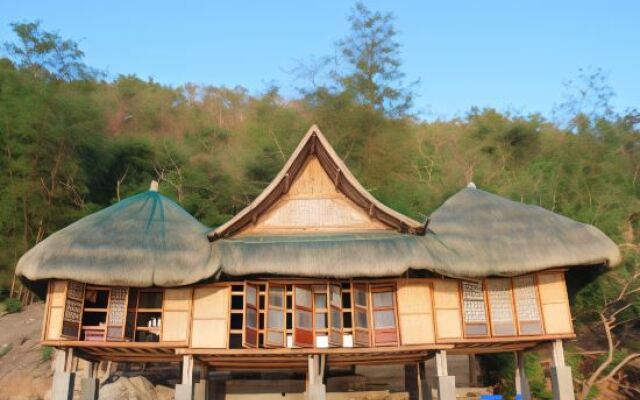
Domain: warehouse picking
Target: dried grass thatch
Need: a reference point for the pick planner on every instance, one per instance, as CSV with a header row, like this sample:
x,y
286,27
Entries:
x,y
474,234
144,240
148,240
490,235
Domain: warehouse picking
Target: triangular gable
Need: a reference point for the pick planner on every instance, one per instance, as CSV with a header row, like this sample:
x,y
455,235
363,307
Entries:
x,y
315,192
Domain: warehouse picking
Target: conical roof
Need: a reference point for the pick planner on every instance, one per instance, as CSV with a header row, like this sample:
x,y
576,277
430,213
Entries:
x,y
486,234
144,240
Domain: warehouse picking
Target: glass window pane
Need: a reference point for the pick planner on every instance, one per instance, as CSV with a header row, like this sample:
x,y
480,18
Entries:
x,y
321,300
383,299
276,319
251,318
384,319
321,320
303,319
361,297
275,338
251,295
361,319
336,297
303,297
276,297
336,319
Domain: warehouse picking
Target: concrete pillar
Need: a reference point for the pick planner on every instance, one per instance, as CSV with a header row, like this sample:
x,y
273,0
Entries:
x,y
184,390
561,378
316,390
473,370
445,384
63,377
522,383
89,385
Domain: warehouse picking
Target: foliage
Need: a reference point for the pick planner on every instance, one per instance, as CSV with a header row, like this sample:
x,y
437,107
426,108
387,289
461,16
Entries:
x,y
12,305
5,348
46,353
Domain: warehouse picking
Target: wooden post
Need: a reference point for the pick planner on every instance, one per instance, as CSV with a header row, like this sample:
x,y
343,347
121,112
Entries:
x,y
201,387
445,384
412,381
522,383
425,388
184,390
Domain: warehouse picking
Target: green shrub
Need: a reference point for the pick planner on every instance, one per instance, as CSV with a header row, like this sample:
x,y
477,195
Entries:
x,y
4,349
47,353
13,305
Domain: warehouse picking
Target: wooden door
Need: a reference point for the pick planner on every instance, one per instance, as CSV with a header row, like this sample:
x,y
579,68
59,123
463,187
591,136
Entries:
x,y
302,316
335,316
73,310
383,309
360,300
251,315
275,335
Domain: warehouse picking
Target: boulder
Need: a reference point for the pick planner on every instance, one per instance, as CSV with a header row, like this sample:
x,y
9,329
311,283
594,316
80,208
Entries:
x,y
135,388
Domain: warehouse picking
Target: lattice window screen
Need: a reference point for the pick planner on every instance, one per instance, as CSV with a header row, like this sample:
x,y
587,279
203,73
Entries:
x,y
501,306
475,314
527,309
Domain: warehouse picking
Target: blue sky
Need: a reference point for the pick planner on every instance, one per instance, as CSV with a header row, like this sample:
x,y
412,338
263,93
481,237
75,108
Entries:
x,y
511,55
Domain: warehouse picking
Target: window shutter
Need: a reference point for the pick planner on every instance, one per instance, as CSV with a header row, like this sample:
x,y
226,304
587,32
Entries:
x,y
116,318
474,310
251,315
360,300
73,310
276,317
385,324
302,316
335,316
527,305
501,307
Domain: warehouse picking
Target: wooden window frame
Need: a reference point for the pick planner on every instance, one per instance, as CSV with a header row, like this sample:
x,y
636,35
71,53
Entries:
x,y
538,304
514,319
336,335
365,332
379,333
303,337
465,324
250,336
269,308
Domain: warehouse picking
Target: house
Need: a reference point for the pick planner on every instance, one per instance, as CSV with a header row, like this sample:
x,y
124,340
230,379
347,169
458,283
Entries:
x,y
314,274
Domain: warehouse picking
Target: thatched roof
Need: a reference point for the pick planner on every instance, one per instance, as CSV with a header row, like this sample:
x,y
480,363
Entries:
x,y
315,144
486,234
148,240
144,240
473,235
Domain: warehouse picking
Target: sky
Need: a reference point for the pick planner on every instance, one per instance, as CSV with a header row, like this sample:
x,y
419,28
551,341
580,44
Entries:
x,y
509,55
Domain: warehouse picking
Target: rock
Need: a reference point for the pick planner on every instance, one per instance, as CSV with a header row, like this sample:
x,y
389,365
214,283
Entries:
x,y
136,388
164,392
